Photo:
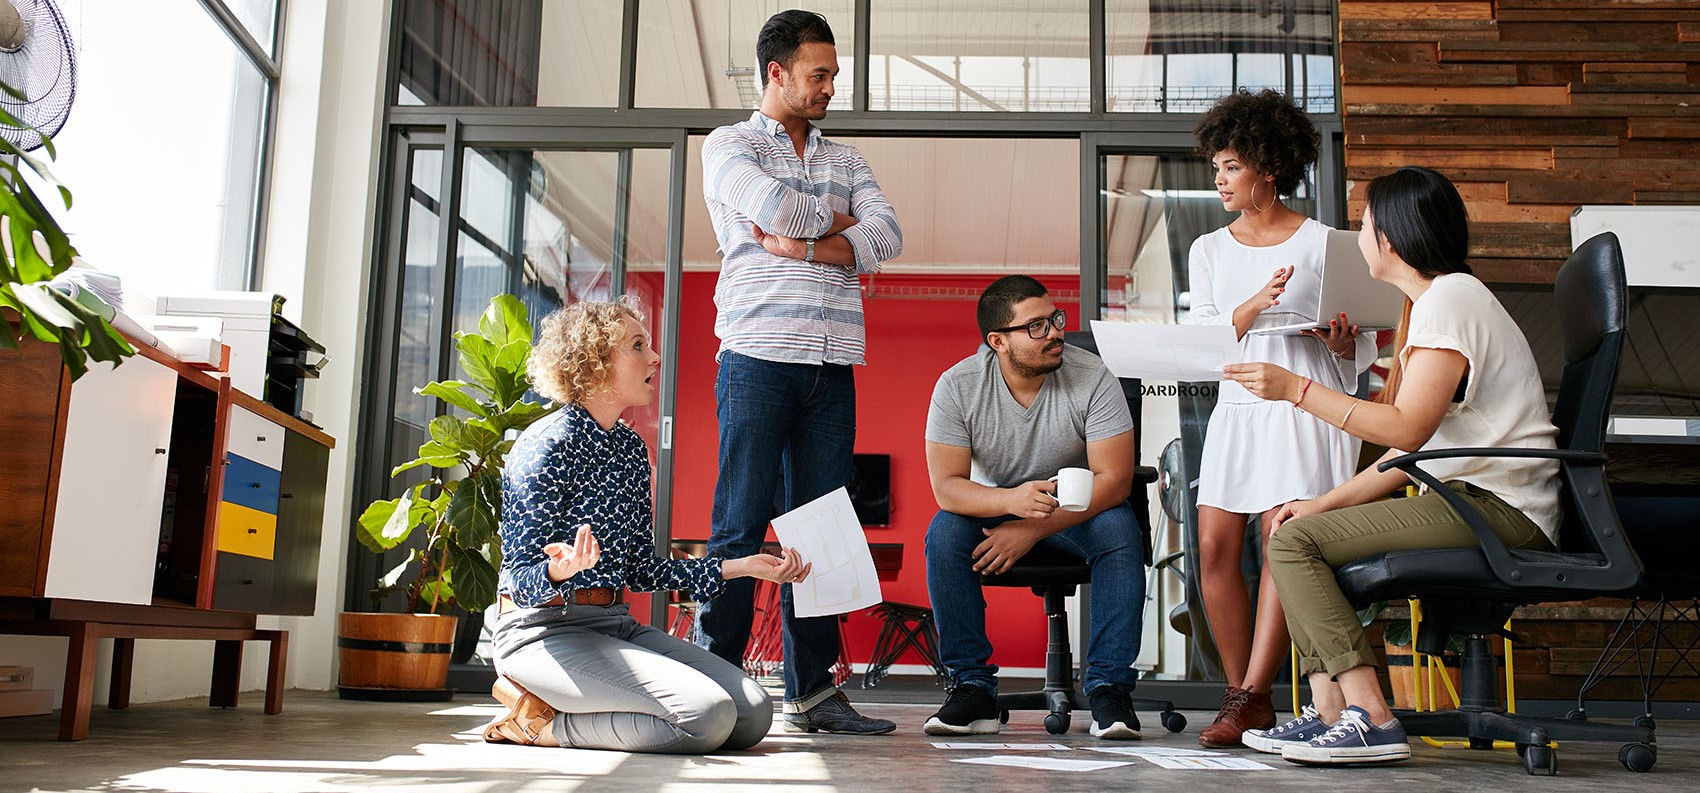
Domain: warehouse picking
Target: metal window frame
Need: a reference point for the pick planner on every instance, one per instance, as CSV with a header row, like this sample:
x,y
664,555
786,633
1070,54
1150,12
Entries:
x,y
267,62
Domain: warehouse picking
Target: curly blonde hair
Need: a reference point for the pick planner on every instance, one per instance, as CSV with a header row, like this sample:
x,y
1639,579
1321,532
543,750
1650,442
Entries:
x,y
570,361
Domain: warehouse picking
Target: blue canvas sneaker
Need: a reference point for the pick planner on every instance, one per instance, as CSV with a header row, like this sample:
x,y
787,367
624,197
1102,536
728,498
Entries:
x,y
1299,730
1352,739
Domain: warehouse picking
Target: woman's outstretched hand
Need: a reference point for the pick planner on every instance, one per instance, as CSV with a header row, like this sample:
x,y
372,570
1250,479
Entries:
x,y
787,568
565,560
1265,380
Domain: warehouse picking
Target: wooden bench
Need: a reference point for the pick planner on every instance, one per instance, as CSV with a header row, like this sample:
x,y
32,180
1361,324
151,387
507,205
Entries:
x,y
85,623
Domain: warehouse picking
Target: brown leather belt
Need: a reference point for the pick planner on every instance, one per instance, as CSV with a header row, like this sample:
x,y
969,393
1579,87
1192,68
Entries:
x,y
586,596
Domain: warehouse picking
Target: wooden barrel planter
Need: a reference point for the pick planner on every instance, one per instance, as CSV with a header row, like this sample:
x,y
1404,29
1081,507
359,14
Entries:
x,y
394,657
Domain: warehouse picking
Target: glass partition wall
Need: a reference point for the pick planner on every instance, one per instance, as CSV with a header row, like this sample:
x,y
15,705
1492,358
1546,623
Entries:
x,y
1046,137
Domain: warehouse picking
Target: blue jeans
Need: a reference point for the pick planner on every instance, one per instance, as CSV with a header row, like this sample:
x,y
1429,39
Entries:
x,y
787,435
1110,542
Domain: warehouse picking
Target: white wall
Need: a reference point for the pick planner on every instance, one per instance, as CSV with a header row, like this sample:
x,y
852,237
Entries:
x,y
318,255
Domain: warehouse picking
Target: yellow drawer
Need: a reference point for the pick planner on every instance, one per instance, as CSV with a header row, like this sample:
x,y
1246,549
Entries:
x,y
246,531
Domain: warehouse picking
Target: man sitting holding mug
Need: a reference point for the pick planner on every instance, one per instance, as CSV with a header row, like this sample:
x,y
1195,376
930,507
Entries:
x,y
1030,444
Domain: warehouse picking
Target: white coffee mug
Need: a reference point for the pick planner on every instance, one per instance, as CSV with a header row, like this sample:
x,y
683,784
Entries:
x,y
1074,488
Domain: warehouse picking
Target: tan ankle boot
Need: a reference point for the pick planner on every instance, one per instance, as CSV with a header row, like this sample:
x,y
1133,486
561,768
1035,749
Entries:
x,y
528,721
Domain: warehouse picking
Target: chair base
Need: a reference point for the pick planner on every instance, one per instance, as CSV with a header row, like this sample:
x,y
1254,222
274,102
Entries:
x,y
1531,735
1062,702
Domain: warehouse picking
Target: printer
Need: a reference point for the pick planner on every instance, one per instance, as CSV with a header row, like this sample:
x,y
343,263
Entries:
x,y
270,356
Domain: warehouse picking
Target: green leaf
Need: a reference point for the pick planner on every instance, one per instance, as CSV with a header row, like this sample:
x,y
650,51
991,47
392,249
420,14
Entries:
x,y
471,513
438,591
391,582
474,576
438,455
386,524
450,391
520,415
407,466
478,359
38,298
505,320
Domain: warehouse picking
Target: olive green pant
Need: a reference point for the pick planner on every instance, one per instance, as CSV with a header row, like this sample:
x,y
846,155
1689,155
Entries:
x,y
1304,553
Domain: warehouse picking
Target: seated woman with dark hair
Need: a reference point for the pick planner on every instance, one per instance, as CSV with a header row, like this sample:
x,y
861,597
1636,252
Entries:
x,y
1464,376
573,667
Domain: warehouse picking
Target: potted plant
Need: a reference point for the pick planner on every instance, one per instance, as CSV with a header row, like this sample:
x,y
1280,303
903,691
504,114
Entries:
x,y
458,507
37,251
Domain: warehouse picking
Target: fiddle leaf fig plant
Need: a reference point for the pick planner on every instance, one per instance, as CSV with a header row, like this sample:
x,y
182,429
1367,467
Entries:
x,y
30,231
459,506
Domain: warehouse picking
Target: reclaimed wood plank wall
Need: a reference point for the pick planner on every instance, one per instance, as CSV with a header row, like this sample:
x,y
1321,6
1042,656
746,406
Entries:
x,y
1531,107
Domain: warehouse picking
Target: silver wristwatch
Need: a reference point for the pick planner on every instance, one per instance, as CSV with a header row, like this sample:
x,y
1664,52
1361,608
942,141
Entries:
x,y
809,250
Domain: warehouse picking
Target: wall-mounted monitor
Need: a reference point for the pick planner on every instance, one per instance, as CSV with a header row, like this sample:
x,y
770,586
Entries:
x,y
870,489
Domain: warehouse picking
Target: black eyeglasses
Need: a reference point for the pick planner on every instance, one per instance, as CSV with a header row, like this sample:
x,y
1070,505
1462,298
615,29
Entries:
x,y
1039,328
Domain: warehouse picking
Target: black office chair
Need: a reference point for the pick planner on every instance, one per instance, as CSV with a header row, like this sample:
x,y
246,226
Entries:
x,y
1054,577
1472,591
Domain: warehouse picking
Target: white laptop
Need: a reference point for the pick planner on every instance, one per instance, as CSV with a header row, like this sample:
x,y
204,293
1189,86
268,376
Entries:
x,y
1346,287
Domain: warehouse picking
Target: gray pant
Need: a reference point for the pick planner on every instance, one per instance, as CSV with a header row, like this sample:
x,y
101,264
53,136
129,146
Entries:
x,y
622,685
1304,554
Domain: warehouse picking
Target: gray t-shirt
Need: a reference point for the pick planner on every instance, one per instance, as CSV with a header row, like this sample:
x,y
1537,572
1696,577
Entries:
x,y
1078,403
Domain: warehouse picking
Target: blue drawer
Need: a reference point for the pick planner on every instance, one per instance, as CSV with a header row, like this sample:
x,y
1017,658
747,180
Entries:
x,y
251,485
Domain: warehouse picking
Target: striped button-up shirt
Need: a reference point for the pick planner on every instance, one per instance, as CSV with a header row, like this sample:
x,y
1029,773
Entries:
x,y
772,307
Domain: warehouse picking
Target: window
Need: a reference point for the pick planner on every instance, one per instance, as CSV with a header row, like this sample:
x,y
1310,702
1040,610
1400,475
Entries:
x,y
165,148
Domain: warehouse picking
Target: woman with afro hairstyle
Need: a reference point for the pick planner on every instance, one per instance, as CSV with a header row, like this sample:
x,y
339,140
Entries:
x,y
1259,455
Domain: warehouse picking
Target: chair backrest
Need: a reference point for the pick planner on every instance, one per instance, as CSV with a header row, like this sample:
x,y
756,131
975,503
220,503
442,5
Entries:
x,y
1134,394
1591,295
1591,291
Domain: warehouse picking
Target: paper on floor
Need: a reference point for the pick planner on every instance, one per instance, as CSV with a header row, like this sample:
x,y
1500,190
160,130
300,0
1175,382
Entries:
x,y
1044,763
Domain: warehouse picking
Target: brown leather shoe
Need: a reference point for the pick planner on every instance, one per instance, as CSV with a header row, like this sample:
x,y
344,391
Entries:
x,y
1241,710
528,721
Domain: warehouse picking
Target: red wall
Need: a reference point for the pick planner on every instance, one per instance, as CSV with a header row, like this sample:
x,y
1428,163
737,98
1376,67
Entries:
x,y
910,342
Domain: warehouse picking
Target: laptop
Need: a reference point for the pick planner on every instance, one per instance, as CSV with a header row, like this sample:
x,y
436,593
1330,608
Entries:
x,y
1346,287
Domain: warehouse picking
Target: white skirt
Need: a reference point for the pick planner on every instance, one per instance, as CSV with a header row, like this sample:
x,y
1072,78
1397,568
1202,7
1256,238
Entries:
x,y
1260,455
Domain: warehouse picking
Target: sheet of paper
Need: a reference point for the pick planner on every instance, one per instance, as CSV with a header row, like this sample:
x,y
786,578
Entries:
x,y
1004,747
1208,763
829,536
1156,751
1044,763
1182,353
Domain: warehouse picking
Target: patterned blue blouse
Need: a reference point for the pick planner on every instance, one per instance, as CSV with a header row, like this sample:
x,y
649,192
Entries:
x,y
565,471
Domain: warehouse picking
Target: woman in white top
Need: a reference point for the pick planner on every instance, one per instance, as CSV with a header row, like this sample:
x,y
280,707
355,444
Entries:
x,y
1464,376
1259,455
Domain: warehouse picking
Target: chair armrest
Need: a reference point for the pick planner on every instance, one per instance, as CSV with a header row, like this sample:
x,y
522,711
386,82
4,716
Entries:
x,y
1406,460
1498,556
1144,475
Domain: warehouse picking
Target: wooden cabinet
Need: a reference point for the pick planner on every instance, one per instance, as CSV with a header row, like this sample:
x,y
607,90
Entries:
x,y
271,513
155,483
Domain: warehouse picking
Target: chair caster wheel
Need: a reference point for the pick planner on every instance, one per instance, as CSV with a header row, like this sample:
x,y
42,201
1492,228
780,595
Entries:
x,y
1644,721
1638,757
1577,715
1538,760
1173,721
1056,723
1003,717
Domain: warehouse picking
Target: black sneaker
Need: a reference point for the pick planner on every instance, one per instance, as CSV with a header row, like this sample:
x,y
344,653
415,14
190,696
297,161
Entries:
x,y
1112,714
835,715
967,710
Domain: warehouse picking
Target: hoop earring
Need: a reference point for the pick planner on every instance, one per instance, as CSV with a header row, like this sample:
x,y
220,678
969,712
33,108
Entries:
x,y
1273,197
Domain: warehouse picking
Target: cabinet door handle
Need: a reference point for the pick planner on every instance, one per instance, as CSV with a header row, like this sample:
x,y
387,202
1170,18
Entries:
x,y
253,531
261,439
255,485
286,495
158,450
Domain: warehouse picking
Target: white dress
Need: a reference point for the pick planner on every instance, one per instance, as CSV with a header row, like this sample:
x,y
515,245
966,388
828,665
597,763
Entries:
x,y
1259,454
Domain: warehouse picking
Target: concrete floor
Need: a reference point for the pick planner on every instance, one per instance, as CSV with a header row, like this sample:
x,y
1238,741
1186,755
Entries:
x,y
321,743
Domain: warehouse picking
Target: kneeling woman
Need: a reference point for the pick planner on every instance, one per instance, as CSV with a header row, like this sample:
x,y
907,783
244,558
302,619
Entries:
x,y
1464,376
573,667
